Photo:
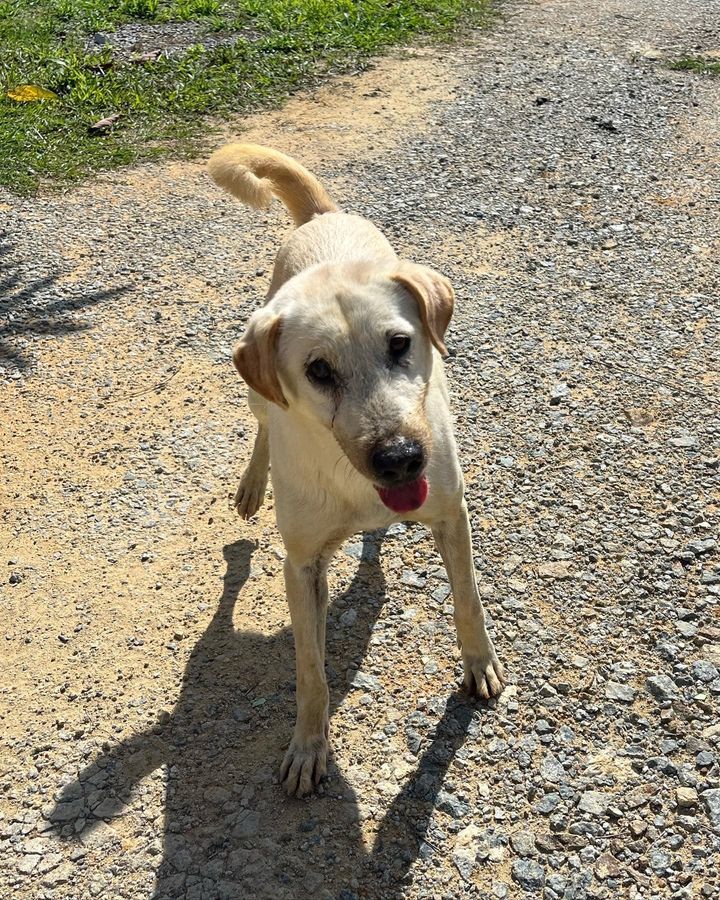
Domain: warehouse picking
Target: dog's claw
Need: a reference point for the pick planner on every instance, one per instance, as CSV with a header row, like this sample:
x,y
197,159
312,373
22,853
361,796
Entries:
x,y
304,766
484,677
250,495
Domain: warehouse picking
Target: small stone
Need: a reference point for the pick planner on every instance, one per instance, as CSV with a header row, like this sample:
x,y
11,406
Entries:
x,y
606,866
452,805
622,692
36,845
348,618
552,769
686,629
662,687
354,549
216,794
705,671
660,860
710,578
530,875
66,812
704,759
312,882
560,571
99,834
465,850
637,415
28,863
59,875
638,828
701,547
109,807
685,441
547,804
548,843
557,883
686,797
639,796
430,666
595,802
247,825
364,682
523,843
711,802
675,841
412,579
558,392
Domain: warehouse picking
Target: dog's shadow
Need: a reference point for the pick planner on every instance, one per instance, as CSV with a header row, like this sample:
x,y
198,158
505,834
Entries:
x,y
229,831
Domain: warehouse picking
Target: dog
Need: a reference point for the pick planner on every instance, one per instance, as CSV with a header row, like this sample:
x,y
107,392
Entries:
x,y
345,376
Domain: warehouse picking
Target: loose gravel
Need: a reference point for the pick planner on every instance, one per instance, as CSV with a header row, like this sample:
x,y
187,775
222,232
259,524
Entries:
x,y
567,182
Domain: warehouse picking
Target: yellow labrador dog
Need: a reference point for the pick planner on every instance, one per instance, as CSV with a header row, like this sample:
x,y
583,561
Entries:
x,y
346,380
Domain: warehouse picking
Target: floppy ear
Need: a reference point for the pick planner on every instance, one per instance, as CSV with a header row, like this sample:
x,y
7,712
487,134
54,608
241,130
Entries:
x,y
255,357
434,296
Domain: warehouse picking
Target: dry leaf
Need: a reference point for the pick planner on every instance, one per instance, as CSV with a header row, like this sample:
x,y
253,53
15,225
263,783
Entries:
x,y
28,93
104,124
150,56
639,416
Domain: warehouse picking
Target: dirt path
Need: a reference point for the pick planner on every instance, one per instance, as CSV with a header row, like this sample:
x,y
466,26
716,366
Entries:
x,y
567,182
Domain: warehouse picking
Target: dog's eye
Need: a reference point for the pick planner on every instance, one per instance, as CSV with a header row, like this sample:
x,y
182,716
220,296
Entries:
x,y
398,345
321,373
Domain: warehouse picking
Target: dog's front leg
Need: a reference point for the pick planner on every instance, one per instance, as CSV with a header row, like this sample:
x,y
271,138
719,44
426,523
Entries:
x,y
483,670
305,762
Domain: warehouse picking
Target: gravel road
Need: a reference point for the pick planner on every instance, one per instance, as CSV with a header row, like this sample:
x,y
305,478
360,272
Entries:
x,y
569,184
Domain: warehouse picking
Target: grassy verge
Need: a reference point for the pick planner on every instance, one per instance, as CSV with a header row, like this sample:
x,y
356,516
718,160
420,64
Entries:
x,y
700,65
215,57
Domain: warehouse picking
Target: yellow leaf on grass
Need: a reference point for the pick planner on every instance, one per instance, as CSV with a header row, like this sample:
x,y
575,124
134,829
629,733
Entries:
x,y
26,93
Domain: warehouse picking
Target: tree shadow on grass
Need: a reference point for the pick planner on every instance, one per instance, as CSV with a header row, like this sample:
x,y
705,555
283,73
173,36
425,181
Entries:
x,y
229,830
38,307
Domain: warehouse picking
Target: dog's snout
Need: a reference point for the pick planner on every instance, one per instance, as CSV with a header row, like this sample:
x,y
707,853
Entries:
x,y
398,459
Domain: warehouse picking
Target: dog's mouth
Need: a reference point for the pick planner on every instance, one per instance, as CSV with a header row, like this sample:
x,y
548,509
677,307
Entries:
x,y
406,497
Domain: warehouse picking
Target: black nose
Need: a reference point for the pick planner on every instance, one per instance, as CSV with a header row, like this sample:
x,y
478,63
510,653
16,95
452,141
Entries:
x,y
398,459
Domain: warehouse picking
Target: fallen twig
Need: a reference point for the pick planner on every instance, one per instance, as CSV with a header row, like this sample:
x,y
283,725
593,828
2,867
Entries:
x,y
155,387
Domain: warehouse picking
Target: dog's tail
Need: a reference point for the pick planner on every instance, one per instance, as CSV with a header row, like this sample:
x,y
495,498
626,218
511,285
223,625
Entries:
x,y
256,174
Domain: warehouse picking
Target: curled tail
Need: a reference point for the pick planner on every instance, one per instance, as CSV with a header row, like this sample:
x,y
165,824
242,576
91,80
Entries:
x,y
256,174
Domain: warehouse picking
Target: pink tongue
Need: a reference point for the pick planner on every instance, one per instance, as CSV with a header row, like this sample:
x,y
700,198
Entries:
x,y
406,497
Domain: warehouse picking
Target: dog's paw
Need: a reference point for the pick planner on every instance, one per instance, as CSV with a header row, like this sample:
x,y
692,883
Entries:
x,y
484,675
250,495
304,766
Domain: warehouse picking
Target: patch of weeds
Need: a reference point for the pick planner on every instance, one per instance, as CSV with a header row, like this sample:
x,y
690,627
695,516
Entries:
x,y
139,9
699,64
273,48
189,10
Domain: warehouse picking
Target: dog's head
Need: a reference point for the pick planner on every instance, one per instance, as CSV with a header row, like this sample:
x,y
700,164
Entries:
x,y
353,351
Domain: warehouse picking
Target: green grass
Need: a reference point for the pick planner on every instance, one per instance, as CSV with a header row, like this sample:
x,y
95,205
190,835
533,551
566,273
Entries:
x,y
167,104
699,64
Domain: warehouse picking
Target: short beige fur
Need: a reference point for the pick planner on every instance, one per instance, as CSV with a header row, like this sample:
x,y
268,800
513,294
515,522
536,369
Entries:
x,y
338,295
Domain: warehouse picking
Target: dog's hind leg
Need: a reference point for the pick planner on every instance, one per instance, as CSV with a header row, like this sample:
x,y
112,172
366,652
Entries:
x,y
251,493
